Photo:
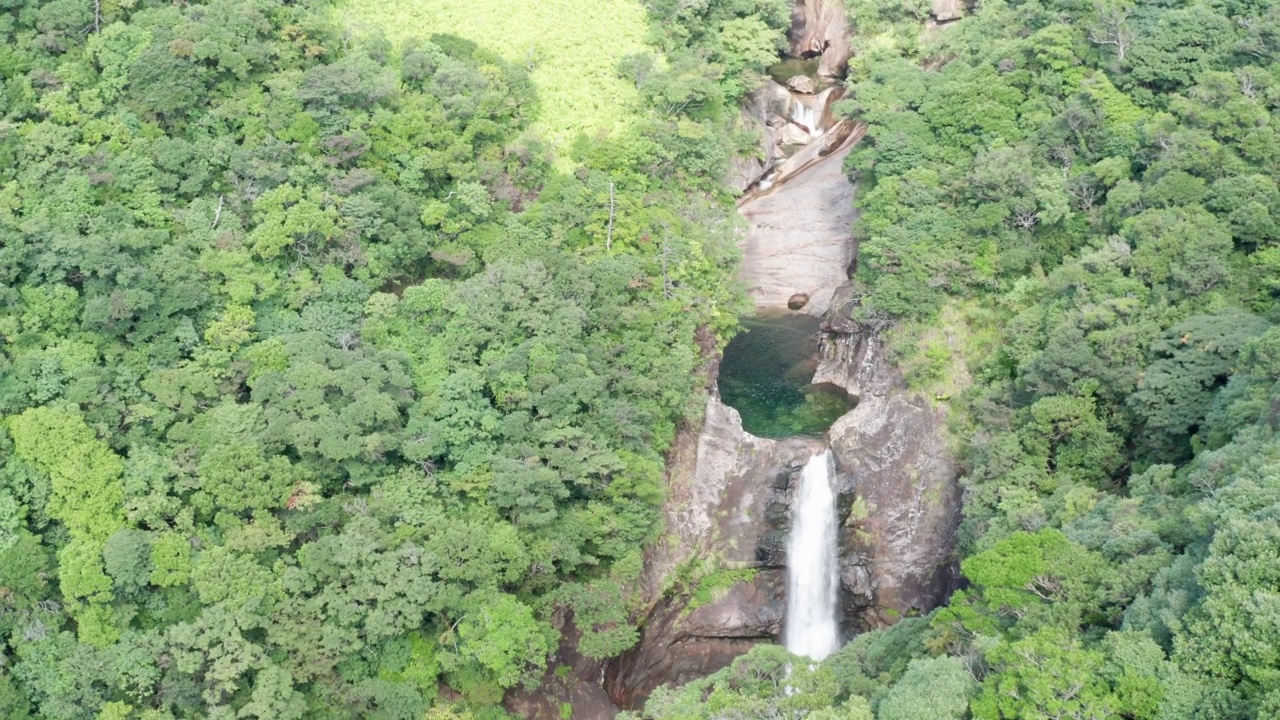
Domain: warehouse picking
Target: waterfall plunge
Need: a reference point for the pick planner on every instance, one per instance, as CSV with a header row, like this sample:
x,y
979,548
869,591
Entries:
x,y
812,577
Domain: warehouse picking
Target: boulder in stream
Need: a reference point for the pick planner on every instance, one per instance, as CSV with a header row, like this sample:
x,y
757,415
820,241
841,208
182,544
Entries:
x,y
802,84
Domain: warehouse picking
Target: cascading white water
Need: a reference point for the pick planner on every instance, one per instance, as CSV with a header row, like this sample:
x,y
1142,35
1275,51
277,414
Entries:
x,y
812,576
808,117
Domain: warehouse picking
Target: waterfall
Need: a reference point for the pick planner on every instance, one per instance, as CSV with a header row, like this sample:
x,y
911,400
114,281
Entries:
x,y
812,578
808,117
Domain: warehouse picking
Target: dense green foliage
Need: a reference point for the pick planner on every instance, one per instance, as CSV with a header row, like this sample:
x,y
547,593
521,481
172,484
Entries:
x,y
1095,184
320,383
326,379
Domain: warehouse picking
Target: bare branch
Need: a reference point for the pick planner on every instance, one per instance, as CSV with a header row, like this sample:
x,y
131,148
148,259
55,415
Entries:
x,y
1113,29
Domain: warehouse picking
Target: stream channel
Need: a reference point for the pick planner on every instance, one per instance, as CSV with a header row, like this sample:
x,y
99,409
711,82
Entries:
x,y
799,249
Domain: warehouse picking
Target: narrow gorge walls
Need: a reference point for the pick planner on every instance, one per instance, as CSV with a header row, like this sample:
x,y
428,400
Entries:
x,y
796,199
717,582
754,549
820,28
897,552
716,579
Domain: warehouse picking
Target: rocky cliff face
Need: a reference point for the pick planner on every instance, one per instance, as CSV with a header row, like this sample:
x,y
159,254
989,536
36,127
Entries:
x,y
897,554
797,129
715,582
948,10
820,28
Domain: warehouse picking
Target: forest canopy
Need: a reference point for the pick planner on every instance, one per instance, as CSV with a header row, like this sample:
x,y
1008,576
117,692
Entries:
x,y
330,372
325,375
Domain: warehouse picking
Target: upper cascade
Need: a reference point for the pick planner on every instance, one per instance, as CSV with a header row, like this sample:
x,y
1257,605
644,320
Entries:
x,y
807,117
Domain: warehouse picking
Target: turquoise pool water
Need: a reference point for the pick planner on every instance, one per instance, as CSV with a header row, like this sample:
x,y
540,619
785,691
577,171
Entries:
x,y
765,375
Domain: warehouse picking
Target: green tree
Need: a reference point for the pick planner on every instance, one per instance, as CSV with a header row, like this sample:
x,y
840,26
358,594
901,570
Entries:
x,y
1168,54
501,636
933,688
87,498
1192,361
1046,675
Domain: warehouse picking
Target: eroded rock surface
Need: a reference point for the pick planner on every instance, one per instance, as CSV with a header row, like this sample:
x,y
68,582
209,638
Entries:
x,y
763,110
680,644
947,10
800,237
728,510
898,550
796,130
580,688
821,28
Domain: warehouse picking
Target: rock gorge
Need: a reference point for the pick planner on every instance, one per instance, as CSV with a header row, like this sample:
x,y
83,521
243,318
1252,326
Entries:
x,y
715,583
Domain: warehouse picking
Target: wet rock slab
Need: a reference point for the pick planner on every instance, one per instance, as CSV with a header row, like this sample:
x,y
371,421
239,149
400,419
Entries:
x,y
800,238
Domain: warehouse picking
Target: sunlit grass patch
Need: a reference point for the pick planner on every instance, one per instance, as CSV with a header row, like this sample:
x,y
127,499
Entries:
x,y
572,46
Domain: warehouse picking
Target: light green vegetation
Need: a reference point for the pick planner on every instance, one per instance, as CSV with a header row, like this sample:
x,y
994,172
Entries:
x,y
715,584
934,355
571,48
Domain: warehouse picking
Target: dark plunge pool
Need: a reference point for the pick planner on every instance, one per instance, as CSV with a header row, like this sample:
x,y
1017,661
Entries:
x,y
765,375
